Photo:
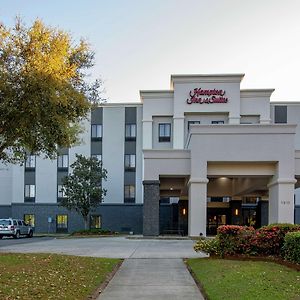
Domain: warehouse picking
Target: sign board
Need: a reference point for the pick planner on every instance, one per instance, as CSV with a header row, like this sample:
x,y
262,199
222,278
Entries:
x,y
201,96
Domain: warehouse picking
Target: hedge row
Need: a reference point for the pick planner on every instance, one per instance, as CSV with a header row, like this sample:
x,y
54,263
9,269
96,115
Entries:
x,y
268,240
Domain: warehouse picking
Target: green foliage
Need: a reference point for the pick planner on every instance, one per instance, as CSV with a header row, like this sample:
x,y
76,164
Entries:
x,y
267,240
44,93
83,188
209,245
93,231
245,280
291,247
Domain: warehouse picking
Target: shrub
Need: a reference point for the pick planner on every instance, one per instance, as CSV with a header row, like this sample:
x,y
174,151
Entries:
x,y
291,247
269,240
234,239
93,232
210,246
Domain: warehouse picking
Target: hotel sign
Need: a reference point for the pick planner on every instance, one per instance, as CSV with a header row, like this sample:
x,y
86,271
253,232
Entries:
x,y
200,96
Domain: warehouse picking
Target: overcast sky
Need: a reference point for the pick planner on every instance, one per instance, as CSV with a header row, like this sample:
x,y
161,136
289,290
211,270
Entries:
x,y
140,43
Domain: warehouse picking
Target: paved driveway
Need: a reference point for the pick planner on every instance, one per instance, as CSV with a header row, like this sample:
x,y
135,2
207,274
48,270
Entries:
x,y
114,247
8,241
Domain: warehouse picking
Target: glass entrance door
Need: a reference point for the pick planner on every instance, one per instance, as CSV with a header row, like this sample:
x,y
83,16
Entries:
x,y
214,220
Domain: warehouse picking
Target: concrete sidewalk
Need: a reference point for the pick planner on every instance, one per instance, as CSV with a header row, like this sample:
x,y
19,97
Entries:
x,y
152,279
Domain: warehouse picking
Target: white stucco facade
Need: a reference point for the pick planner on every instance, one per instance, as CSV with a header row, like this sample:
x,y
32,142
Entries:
x,y
204,142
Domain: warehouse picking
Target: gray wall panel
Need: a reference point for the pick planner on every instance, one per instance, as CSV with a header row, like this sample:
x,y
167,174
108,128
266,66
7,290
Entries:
x,y
130,147
116,217
5,211
29,177
129,178
130,115
97,115
96,147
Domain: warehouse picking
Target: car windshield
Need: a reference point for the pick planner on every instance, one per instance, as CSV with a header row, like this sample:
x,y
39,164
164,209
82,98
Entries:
x,y
5,222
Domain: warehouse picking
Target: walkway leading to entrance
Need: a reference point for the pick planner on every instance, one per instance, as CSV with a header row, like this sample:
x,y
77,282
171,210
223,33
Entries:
x,y
153,269
152,279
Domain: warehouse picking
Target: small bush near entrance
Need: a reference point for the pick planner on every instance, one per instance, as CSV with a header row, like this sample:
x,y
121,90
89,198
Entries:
x,y
93,232
291,247
232,240
208,245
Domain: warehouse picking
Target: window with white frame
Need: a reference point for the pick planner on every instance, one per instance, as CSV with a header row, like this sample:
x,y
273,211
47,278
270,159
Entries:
x,y
130,132
30,161
129,161
129,193
96,131
61,191
29,191
63,161
164,132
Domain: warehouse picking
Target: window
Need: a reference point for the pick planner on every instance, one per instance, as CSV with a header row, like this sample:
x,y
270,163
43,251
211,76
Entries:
x,y
130,132
97,156
96,132
63,161
29,191
61,223
61,191
280,114
30,162
129,162
192,122
129,194
95,222
164,132
29,219
217,122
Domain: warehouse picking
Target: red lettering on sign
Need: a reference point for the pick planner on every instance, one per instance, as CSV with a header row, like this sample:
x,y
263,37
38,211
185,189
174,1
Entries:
x,y
201,96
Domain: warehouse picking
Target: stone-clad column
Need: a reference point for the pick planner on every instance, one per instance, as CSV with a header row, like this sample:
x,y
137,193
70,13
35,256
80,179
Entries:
x,y
151,208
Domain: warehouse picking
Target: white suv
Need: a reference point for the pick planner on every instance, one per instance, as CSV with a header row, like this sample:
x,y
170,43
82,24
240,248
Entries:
x,y
14,228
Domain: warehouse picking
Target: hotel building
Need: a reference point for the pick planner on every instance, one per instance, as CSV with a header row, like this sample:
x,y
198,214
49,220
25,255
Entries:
x,y
181,161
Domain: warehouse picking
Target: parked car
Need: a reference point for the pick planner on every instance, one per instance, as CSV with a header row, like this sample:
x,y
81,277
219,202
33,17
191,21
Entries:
x,y
14,228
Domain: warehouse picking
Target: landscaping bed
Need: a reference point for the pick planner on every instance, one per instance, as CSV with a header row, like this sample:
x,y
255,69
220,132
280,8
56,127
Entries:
x,y
94,233
52,276
247,279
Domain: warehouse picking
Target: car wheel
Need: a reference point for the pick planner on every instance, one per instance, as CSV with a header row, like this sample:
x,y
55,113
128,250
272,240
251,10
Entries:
x,y
17,235
30,234
1,236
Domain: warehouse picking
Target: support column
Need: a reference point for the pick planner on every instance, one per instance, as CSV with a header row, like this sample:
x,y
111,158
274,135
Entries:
x,y
151,208
147,134
281,201
178,133
197,206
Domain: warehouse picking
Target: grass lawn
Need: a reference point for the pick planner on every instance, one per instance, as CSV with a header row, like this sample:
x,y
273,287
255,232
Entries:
x,y
51,276
232,279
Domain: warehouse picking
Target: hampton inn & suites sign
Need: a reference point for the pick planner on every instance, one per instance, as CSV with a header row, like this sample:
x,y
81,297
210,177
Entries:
x,y
201,96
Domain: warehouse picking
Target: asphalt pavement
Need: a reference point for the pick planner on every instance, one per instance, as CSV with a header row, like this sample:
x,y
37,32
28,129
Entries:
x,y
9,241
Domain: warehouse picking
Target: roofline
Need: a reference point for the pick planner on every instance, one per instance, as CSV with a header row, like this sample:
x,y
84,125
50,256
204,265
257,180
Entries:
x,y
248,93
120,104
195,78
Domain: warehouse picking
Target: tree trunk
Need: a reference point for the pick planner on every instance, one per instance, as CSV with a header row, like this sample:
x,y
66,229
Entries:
x,y
85,218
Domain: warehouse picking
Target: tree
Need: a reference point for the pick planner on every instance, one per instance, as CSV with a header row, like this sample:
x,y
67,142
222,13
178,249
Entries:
x,y
83,188
44,92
